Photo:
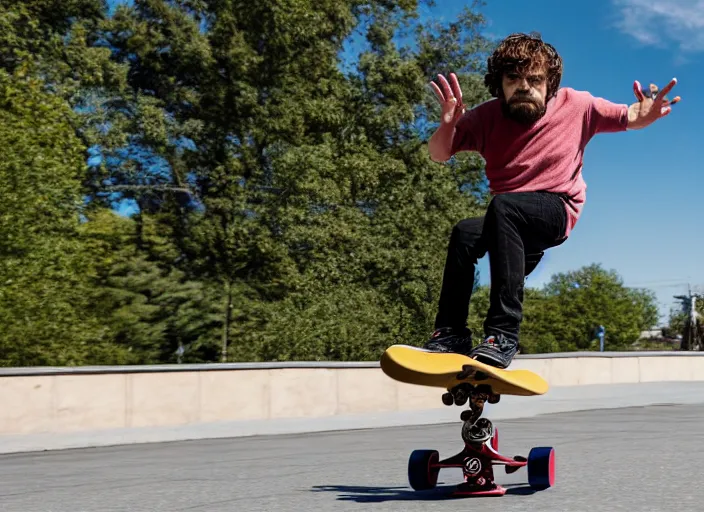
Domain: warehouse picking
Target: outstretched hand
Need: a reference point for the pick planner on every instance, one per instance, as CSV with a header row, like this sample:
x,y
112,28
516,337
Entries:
x,y
652,107
450,98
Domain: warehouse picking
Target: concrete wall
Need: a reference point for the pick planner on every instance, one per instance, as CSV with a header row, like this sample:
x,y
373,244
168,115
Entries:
x,y
64,400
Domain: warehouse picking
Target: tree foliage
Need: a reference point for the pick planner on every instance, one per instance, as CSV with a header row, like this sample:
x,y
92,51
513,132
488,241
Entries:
x,y
571,307
275,157
45,298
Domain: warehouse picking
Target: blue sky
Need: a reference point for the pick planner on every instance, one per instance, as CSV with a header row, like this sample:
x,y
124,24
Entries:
x,y
644,209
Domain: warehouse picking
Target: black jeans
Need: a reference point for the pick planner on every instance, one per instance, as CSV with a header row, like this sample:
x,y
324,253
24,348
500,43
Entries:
x,y
516,230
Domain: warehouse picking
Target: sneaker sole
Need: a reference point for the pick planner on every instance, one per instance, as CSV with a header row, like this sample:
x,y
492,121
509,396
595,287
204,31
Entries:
x,y
490,359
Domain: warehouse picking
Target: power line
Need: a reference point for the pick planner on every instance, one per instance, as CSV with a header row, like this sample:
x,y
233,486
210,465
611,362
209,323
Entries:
x,y
663,283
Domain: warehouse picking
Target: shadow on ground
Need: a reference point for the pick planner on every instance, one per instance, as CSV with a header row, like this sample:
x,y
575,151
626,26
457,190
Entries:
x,y
365,494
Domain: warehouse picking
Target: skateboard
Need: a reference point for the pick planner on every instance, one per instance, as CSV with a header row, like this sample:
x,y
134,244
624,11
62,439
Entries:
x,y
467,380
414,365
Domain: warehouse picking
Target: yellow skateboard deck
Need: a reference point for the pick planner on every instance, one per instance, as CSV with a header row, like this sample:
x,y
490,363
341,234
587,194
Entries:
x,y
415,365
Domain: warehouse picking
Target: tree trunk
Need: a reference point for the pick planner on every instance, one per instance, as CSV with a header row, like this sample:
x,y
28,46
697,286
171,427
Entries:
x,y
226,323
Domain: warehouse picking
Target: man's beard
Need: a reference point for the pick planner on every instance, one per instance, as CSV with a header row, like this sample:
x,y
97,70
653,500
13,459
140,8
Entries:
x,y
524,111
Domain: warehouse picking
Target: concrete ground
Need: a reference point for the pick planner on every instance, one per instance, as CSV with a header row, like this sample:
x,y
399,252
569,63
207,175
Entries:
x,y
644,458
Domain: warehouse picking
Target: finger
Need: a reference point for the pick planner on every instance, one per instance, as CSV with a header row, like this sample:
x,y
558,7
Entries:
x,y
666,89
446,89
638,91
456,89
438,92
665,111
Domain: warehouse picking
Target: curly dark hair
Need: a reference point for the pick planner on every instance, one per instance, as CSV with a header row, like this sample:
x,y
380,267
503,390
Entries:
x,y
520,53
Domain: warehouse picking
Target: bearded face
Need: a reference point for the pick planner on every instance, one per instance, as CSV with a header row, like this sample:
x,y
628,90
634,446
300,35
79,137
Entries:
x,y
524,95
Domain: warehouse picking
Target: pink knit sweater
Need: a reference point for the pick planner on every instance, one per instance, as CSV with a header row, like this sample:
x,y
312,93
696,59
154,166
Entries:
x,y
545,156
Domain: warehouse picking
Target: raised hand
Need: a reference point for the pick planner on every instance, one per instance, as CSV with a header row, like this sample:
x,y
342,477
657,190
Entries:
x,y
449,95
649,108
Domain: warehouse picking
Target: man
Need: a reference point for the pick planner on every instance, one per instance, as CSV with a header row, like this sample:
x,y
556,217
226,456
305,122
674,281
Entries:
x,y
532,136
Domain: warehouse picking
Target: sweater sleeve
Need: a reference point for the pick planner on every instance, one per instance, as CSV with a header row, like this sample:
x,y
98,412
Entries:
x,y
468,132
603,116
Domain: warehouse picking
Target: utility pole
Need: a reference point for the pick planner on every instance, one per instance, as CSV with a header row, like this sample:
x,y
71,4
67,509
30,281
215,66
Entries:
x,y
691,338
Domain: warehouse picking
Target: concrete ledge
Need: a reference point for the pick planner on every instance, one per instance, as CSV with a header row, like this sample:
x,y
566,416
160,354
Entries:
x,y
213,367
565,399
75,403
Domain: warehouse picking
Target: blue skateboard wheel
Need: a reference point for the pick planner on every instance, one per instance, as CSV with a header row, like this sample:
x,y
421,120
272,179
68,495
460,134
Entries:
x,y
541,468
422,475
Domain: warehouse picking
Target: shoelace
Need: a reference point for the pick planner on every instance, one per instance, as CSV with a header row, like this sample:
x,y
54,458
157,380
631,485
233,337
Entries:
x,y
498,341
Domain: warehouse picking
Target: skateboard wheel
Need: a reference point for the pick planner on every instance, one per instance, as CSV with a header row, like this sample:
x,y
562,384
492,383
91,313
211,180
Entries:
x,y
448,399
460,395
541,468
422,475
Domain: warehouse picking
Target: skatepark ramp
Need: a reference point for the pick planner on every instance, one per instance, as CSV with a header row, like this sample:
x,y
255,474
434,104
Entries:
x,y
47,408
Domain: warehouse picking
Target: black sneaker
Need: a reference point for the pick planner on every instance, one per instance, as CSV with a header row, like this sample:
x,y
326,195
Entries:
x,y
496,351
448,339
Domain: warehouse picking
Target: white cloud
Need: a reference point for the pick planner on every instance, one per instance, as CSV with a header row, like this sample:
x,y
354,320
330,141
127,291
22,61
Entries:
x,y
663,22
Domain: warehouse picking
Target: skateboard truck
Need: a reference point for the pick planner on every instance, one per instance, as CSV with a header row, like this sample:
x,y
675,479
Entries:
x,y
475,394
480,453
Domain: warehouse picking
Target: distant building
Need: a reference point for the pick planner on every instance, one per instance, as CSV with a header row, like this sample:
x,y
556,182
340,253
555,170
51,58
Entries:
x,y
650,334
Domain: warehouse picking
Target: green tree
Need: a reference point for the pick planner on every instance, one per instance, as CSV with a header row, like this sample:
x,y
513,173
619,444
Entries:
x,y
45,295
61,42
150,307
304,183
587,298
563,315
